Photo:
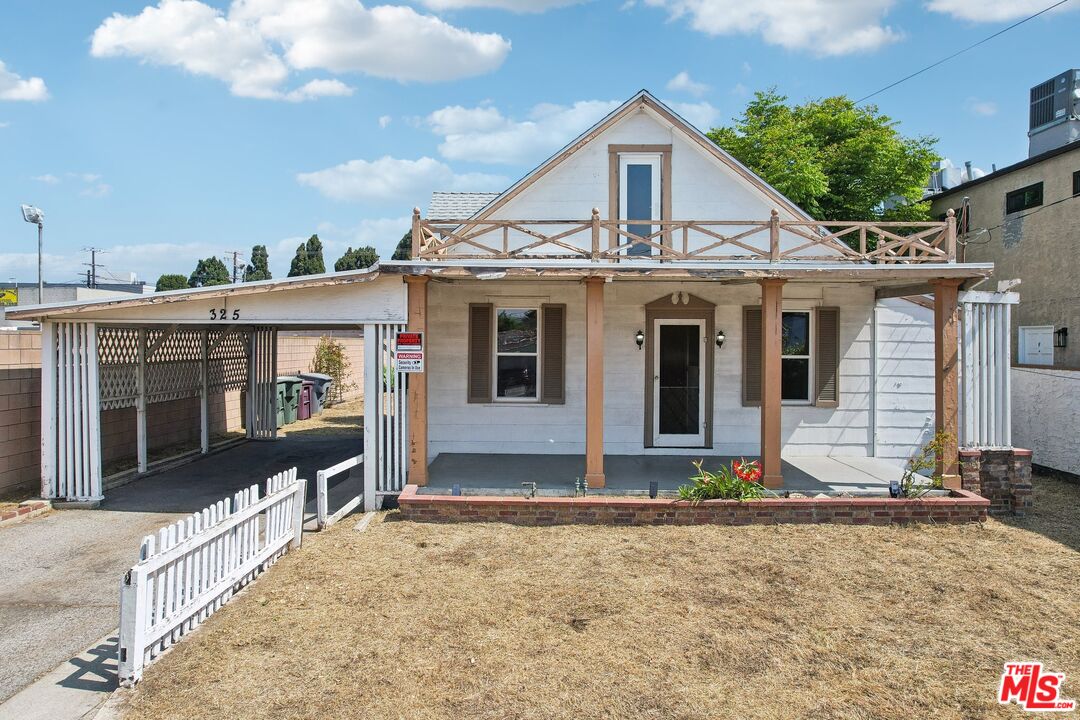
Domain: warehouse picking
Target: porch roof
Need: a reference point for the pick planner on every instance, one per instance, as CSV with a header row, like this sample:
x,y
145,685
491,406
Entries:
x,y
879,275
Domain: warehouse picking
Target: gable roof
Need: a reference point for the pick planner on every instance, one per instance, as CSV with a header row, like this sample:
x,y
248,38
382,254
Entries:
x,y
642,99
458,204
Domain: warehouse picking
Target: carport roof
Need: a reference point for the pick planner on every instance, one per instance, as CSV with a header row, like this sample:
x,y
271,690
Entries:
x,y
35,312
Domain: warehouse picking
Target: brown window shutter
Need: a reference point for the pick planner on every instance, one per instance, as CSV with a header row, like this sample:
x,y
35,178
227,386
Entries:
x,y
827,363
751,382
480,352
553,354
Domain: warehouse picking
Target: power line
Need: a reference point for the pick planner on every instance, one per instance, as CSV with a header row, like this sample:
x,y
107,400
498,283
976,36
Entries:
x,y
961,52
92,273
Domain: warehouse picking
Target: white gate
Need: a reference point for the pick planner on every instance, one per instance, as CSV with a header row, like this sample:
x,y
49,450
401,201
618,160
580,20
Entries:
x,y
985,357
262,397
386,433
195,565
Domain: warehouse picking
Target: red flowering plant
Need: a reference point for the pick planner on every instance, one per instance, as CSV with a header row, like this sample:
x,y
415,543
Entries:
x,y
739,482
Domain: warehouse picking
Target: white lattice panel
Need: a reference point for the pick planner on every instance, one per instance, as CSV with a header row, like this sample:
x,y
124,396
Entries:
x,y
228,364
173,369
118,358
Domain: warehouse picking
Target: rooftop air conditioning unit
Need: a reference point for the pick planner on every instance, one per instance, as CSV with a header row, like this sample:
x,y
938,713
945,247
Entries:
x,y
1054,113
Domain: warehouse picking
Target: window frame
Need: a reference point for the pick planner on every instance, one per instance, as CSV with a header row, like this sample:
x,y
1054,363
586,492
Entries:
x,y
656,161
495,354
811,330
1022,194
1076,182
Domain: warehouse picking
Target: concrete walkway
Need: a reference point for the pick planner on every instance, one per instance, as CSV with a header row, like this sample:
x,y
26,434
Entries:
x,y
60,589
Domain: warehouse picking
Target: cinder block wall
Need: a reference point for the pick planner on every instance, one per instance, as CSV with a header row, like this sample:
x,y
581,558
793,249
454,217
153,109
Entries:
x,y
20,413
296,349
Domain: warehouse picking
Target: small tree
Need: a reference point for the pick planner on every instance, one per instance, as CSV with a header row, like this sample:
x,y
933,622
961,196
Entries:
x,y
403,251
308,259
330,359
357,259
210,271
259,268
171,282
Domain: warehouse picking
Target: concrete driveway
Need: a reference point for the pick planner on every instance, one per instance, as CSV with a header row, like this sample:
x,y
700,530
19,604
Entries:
x,y
60,574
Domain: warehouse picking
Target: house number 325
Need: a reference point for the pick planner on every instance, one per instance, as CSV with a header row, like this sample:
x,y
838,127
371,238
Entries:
x,y
216,314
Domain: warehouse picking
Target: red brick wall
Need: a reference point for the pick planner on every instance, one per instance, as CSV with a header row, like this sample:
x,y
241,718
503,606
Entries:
x,y
1001,476
960,507
20,413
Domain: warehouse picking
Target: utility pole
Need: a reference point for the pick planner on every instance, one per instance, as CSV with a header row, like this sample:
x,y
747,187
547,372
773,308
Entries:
x,y
237,261
91,277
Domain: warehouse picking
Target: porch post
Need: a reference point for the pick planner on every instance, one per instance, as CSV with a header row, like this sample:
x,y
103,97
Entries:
x,y
772,321
204,392
48,410
594,382
140,405
946,377
418,435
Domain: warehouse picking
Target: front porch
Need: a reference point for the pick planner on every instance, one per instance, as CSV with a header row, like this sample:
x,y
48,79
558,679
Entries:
x,y
555,475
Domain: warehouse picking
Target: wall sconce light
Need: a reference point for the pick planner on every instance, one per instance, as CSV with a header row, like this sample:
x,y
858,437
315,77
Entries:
x,y
1061,337
720,338
639,338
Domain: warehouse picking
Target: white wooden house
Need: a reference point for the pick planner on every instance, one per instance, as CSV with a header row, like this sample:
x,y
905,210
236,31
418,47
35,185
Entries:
x,y
639,294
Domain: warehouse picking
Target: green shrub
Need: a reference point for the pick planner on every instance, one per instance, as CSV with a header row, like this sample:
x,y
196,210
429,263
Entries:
x,y
919,477
739,482
330,359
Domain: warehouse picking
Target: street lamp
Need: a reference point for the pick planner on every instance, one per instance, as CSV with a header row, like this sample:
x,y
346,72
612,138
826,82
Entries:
x,y
36,216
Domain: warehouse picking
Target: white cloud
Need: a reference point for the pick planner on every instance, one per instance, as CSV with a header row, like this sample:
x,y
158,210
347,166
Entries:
x,y
381,233
390,179
96,190
14,87
387,41
821,27
701,115
384,121
47,178
90,184
982,107
4,125
520,6
684,83
483,134
257,44
991,10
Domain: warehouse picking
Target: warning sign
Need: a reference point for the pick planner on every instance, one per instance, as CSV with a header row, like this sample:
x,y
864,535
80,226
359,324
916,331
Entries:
x,y
409,354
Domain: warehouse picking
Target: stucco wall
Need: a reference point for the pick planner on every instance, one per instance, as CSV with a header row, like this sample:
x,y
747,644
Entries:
x,y
457,426
1046,416
1041,246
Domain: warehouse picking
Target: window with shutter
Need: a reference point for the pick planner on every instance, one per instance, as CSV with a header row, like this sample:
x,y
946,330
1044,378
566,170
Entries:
x,y
480,347
553,354
751,355
827,367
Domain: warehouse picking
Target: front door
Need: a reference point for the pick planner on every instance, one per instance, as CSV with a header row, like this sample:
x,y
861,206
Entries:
x,y
678,385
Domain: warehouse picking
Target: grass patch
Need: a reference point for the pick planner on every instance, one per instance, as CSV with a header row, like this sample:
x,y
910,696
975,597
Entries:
x,y
494,621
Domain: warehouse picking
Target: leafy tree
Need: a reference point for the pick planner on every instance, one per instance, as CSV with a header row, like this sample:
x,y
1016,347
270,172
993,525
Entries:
x,y
210,271
404,247
836,160
259,267
171,282
308,259
357,259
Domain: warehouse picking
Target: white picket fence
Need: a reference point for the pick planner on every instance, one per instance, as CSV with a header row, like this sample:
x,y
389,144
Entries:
x,y
194,566
323,515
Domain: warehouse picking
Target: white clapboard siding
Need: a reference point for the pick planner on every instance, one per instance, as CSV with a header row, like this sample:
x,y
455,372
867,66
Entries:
x,y
322,511
194,566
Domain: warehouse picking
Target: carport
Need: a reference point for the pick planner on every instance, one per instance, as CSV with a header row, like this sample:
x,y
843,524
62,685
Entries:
x,y
204,344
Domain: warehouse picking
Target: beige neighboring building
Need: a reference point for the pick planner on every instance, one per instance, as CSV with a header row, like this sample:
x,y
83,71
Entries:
x,y
1025,219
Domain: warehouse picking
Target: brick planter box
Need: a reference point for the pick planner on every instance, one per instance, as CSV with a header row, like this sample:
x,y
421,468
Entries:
x,y
960,506
25,511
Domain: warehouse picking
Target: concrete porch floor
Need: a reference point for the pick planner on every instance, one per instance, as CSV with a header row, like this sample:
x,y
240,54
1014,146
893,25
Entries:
x,y
556,474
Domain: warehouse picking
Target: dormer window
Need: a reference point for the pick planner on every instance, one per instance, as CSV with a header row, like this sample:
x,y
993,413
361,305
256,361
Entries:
x,y
639,197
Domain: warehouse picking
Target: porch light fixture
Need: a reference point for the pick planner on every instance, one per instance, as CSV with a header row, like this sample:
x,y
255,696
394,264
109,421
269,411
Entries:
x,y
720,338
639,338
1061,337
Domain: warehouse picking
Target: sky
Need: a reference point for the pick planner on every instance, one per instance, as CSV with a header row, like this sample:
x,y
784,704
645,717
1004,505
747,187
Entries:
x,y
162,133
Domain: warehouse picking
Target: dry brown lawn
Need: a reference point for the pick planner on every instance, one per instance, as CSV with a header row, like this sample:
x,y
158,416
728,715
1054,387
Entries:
x,y
493,621
345,418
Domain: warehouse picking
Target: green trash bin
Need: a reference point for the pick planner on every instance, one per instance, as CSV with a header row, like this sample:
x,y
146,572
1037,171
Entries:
x,y
291,385
280,402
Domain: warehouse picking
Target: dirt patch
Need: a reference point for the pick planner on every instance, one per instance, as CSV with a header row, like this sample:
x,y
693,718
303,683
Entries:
x,y
346,418
410,620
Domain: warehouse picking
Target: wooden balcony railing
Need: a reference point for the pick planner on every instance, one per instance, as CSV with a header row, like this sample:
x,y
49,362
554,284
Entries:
x,y
770,240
